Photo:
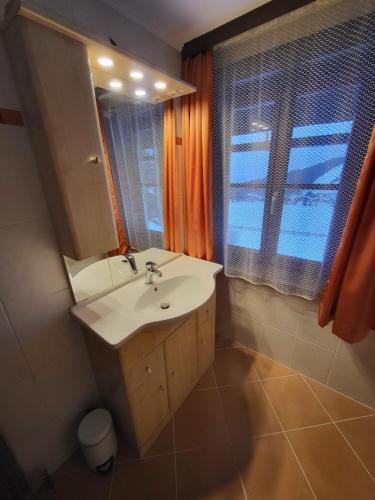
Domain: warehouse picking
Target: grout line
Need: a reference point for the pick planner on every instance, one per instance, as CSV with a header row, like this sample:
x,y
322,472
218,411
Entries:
x,y
338,392
277,378
287,438
332,363
234,458
174,459
354,418
341,433
309,426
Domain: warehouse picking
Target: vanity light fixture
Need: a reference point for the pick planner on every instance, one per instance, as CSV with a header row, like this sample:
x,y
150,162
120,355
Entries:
x,y
115,84
140,92
136,75
106,62
160,85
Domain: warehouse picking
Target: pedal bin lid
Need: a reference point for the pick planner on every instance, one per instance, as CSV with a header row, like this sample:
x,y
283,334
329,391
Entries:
x,y
94,427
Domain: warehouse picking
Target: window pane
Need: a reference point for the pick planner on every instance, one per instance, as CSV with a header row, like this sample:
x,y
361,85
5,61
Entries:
x,y
305,223
249,166
153,209
245,217
317,164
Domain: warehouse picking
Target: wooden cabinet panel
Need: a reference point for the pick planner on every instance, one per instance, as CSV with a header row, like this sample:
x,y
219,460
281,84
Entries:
x,y
144,370
144,342
181,361
54,82
149,402
206,310
206,344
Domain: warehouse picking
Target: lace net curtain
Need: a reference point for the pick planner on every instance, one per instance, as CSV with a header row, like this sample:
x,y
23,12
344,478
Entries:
x,y
134,134
293,112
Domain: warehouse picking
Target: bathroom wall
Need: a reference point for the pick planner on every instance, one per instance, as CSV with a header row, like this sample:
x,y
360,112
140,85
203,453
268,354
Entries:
x,y
46,379
99,19
285,329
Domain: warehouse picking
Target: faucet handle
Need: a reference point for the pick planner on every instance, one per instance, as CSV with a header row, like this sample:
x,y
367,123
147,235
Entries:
x,y
151,266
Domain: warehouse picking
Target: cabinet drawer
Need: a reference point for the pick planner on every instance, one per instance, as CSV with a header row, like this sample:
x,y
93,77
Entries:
x,y
208,308
149,402
144,372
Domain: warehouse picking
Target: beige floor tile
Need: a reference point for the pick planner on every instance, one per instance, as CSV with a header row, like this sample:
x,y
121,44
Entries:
x,y
294,403
164,443
267,368
272,472
234,366
361,435
200,420
331,467
248,414
208,473
207,381
337,405
144,480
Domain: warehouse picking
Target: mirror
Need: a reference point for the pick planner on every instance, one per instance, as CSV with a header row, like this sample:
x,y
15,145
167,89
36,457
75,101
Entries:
x,y
133,148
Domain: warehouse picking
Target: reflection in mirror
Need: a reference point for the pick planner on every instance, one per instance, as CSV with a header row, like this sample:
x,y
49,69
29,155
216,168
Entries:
x,y
132,133
134,139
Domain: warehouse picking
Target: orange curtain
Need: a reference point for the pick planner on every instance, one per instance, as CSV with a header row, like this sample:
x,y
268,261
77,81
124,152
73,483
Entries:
x,y
197,156
172,183
349,296
123,243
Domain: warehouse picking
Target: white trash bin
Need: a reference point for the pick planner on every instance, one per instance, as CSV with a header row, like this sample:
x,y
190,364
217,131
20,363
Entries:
x,y
97,438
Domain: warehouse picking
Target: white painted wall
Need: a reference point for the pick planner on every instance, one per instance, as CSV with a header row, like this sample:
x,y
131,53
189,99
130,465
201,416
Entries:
x,y
285,329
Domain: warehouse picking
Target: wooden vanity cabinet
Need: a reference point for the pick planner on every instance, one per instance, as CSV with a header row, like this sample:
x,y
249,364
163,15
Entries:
x,y
181,361
154,371
54,83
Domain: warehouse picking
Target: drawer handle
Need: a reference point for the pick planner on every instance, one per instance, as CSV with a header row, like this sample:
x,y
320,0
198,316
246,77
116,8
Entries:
x,y
203,341
174,374
148,369
162,387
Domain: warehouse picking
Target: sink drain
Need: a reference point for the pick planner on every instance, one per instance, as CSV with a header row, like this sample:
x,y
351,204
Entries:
x,y
164,305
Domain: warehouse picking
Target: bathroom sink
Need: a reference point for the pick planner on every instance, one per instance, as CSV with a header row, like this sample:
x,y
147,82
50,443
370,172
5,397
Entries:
x,y
170,293
187,283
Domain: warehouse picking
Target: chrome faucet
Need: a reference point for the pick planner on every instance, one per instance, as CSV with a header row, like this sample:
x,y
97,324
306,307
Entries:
x,y
130,259
151,269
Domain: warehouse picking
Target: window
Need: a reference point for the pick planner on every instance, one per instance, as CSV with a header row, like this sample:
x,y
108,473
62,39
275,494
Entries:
x,y
135,139
291,127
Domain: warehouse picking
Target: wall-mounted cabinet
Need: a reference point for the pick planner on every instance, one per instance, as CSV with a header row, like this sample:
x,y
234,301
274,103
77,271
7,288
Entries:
x,y
54,82
146,380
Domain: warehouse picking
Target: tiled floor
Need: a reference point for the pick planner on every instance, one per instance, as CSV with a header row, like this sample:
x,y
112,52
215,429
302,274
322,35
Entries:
x,y
253,429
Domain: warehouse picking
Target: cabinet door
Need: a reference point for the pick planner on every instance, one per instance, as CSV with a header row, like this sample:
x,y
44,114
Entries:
x,y
181,361
206,344
149,402
53,78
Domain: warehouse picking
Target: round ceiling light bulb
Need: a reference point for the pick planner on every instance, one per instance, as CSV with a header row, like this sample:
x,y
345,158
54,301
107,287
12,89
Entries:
x,y
136,75
140,92
160,85
106,62
115,84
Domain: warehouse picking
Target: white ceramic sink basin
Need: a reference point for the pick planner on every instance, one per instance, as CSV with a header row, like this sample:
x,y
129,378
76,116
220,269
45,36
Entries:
x,y
170,293
186,284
